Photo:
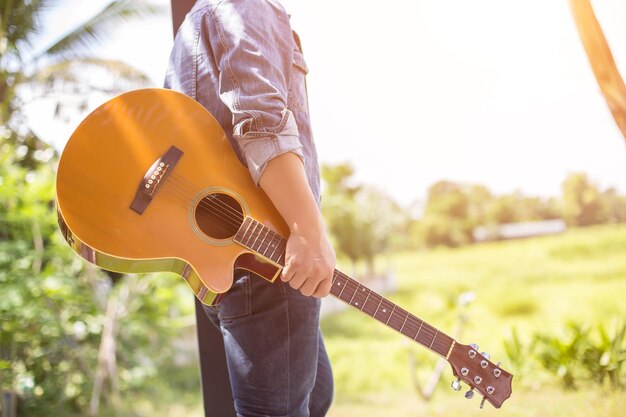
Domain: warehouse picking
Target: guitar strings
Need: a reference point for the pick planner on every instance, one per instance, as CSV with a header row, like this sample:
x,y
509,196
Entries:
x,y
212,206
209,203
191,187
425,329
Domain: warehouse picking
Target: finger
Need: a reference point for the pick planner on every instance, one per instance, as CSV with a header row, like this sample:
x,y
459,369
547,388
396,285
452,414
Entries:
x,y
323,289
288,272
297,280
309,286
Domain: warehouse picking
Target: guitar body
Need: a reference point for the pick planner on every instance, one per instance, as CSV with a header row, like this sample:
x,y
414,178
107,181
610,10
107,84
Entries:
x,y
109,164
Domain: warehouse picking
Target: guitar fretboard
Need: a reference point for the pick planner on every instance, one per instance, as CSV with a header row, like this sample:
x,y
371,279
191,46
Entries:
x,y
269,244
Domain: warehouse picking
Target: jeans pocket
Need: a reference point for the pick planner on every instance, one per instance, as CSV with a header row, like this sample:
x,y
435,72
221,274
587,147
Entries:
x,y
237,302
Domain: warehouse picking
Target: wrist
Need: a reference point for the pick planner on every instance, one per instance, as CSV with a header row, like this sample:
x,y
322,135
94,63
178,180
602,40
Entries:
x,y
311,226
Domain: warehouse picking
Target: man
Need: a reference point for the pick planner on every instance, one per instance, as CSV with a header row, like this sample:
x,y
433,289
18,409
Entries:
x,y
241,60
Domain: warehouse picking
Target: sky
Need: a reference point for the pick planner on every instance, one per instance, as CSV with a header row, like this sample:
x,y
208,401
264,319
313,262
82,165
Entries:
x,y
411,92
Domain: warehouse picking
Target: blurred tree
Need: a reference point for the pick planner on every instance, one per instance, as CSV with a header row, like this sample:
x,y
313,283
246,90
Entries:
x,y
601,60
363,221
516,207
582,202
339,210
503,209
446,216
454,210
615,206
480,198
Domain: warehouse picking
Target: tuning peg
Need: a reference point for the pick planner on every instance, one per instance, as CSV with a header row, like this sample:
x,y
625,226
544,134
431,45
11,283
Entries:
x,y
470,394
482,403
456,384
474,346
485,355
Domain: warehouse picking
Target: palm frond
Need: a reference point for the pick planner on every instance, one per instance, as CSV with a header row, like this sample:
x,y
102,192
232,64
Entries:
x,y
67,71
82,78
77,43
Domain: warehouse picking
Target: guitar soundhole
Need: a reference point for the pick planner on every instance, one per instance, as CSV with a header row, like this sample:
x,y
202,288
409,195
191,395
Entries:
x,y
219,215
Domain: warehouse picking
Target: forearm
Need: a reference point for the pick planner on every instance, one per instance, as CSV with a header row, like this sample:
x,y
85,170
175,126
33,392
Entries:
x,y
284,181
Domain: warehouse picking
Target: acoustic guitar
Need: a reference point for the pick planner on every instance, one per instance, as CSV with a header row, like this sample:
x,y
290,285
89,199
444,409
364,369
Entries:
x,y
149,182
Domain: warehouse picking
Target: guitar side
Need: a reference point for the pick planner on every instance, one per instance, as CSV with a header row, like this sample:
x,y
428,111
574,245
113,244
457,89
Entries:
x,y
116,151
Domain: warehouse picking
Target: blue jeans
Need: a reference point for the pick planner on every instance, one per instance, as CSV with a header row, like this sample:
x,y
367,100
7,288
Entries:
x,y
276,359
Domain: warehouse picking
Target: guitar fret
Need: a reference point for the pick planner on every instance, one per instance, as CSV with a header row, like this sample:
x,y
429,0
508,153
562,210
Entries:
x,y
355,291
425,338
396,322
251,234
418,330
343,287
359,298
282,253
410,328
267,232
249,221
387,305
390,314
369,292
404,322
256,238
434,337
379,303
275,247
347,287
372,307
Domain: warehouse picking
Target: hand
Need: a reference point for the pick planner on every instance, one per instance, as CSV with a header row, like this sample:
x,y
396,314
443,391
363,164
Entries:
x,y
309,262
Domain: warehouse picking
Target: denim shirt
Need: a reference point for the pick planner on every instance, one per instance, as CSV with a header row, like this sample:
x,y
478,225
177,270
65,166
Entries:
x,y
241,60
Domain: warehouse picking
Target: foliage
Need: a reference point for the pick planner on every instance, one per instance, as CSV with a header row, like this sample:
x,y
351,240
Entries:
x,y
52,305
364,221
582,202
49,320
576,355
521,354
606,356
561,355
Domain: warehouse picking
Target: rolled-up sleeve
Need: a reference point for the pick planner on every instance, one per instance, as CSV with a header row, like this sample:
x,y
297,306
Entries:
x,y
252,45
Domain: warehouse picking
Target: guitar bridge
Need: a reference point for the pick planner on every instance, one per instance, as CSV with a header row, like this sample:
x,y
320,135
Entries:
x,y
153,178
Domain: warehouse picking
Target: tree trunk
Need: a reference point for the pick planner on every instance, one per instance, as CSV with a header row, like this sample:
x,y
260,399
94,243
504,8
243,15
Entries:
x,y
601,60
107,365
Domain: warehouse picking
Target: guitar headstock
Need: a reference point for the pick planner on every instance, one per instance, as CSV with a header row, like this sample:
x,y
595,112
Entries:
x,y
482,375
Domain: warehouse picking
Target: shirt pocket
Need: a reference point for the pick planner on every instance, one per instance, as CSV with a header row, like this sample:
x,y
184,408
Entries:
x,y
298,100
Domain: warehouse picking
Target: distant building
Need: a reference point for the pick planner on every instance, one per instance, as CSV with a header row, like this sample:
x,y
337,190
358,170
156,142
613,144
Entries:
x,y
518,230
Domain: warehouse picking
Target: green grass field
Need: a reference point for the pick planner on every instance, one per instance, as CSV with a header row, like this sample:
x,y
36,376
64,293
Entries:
x,y
534,286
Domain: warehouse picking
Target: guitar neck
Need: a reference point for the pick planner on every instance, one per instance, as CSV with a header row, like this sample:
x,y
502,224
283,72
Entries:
x,y
268,244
